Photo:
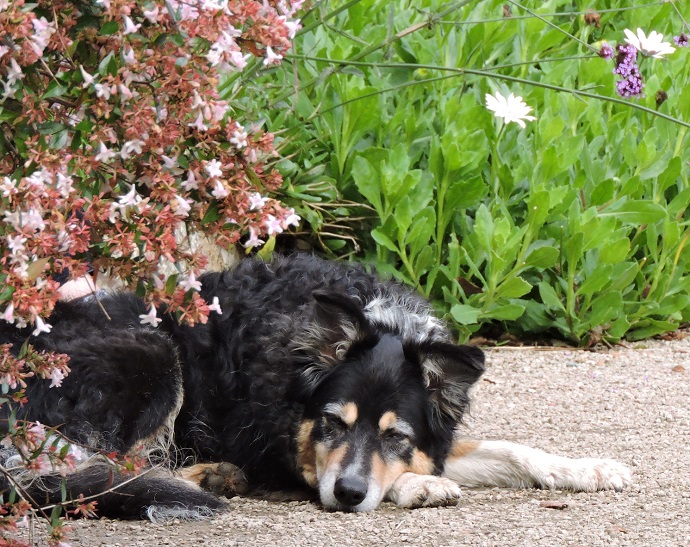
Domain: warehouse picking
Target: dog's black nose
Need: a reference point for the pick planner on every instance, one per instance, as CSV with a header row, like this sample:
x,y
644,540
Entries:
x,y
350,491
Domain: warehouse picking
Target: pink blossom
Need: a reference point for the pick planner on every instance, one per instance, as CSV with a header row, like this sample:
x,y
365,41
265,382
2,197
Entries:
x,y
56,377
214,168
40,326
152,14
198,124
256,201
191,283
88,79
271,57
150,318
130,27
219,190
104,155
273,225
215,306
254,240
291,220
190,182
130,148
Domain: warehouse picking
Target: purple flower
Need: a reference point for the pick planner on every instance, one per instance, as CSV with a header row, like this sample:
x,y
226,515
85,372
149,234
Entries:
x,y
630,87
626,60
606,51
682,40
630,84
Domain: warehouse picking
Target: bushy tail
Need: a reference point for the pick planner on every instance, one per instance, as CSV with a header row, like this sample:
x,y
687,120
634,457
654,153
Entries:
x,y
154,494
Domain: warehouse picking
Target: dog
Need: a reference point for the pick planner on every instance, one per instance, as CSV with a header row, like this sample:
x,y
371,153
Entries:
x,y
316,375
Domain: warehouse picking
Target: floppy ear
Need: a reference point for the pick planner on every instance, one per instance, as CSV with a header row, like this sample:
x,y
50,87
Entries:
x,y
337,312
449,371
337,322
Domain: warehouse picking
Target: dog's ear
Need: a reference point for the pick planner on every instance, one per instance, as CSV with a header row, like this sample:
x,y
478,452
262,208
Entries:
x,y
339,314
449,371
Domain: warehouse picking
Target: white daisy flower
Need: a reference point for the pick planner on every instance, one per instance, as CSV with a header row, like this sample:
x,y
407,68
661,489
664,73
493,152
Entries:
x,y
650,46
511,108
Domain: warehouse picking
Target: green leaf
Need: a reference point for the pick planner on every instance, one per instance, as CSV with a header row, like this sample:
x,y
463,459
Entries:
x,y
465,314
212,214
171,284
109,27
542,257
54,90
635,212
383,240
605,308
507,312
367,181
596,281
549,297
515,287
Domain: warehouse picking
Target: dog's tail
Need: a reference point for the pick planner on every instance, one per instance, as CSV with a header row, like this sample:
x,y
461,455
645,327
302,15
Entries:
x,y
154,494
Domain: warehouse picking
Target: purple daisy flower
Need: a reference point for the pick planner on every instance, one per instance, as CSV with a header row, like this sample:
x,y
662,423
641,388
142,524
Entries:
x,y
682,40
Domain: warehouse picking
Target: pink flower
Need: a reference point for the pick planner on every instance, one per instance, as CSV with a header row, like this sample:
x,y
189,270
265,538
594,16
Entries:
x,y
104,155
191,283
253,240
56,377
214,168
273,225
88,79
130,27
219,190
40,326
150,318
256,201
272,57
215,306
199,124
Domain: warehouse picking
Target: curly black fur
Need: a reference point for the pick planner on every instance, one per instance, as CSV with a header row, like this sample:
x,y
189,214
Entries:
x,y
294,333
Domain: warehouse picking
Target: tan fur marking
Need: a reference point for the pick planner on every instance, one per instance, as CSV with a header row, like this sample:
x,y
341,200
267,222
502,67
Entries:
x,y
327,458
421,463
306,453
388,419
195,473
386,474
349,413
461,449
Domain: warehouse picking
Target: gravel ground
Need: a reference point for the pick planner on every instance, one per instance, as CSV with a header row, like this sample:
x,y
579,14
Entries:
x,y
630,404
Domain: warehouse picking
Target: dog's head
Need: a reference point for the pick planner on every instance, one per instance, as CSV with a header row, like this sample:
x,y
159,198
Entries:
x,y
388,404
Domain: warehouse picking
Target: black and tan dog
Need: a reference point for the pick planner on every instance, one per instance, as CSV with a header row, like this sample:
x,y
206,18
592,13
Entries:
x,y
317,375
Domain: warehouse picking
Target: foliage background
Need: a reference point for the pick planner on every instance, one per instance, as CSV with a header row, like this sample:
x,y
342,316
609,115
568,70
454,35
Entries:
x,y
575,226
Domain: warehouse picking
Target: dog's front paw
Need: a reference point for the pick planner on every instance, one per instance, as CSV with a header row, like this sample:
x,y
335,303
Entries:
x,y
223,479
412,490
590,475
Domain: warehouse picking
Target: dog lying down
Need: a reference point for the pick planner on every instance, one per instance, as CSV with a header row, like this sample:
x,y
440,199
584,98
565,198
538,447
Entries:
x,y
316,376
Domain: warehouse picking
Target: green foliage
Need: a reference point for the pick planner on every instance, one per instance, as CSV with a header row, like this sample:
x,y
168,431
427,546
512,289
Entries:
x,y
576,225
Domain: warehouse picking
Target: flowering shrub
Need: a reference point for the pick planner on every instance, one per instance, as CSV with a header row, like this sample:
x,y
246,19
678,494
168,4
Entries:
x,y
115,138
115,143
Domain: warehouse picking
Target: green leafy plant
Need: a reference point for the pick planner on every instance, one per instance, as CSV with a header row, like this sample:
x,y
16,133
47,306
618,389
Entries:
x,y
574,226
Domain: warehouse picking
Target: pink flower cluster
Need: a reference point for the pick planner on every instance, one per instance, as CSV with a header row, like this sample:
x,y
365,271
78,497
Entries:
x,y
121,143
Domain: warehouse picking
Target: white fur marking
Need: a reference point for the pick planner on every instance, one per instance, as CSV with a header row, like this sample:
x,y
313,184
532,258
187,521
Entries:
x,y
510,465
412,490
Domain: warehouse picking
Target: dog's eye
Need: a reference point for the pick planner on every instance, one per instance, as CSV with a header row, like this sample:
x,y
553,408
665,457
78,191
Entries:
x,y
334,423
393,436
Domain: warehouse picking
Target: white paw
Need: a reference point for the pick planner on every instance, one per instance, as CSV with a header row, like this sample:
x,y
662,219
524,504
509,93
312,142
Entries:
x,y
412,490
589,475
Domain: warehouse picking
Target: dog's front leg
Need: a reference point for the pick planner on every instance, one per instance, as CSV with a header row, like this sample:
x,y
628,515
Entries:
x,y
511,465
223,479
412,490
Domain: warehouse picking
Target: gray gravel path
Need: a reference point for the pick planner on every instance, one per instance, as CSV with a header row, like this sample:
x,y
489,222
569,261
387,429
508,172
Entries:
x,y
627,403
